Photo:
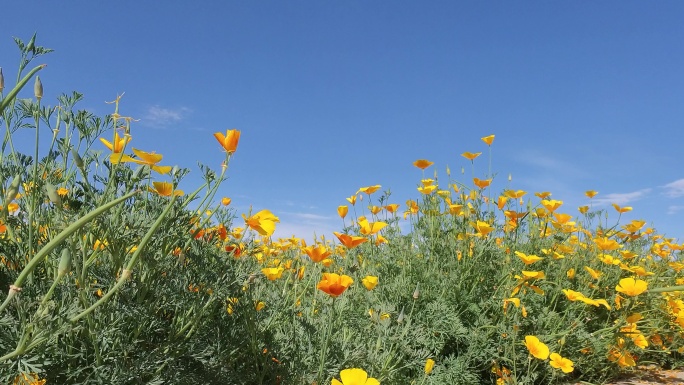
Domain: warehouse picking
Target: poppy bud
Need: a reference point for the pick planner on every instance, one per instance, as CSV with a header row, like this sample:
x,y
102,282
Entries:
x,y
2,80
13,189
64,263
77,159
400,319
38,88
52,194
416,293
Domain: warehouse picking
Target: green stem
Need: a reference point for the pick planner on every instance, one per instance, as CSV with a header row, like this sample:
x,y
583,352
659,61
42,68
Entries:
x,y
61,237
129,267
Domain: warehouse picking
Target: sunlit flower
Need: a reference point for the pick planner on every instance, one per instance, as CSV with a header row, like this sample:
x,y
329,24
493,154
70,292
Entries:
x,y
471,156
370,228
551,204
488,139
392,208
369,190
631,286
259,305
334,284
622,210
561,363
229,141
429,365
483,228
342,211
573,295
537,348
606,244
543,194
590,193
318,253
482,183
165,189
145,158
594,273
354,377
369,282
225,201
423,163
583,209
374,209
427,190
528,259
263,222
272,273
119,143
352,199
350,241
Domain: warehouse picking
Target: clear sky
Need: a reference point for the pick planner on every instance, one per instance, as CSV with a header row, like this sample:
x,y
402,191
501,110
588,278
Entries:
x,y
331,96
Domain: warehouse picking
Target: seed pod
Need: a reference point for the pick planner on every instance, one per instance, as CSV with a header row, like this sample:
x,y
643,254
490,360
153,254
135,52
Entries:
x,y
77,159
52,194
2,80
38,88
13,189
64,263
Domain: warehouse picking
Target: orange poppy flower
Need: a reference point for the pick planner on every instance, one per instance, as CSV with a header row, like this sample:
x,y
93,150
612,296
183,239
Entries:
x,y
334,284
229,141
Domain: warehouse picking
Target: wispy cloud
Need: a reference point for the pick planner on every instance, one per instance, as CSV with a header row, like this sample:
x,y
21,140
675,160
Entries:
x,y
549,164
157,116
674,209
622,198
305,224
675,189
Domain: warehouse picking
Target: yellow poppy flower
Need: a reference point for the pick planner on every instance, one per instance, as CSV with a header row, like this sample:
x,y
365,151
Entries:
x,y
488,139
355,377
561,363
392,208
631,286
429,365
471,156
622,210
369,190
369,282
551,204
423,163
273,273
482,183
537,348
342,211
229,141
318,253
165,189
145,158
528,259
262,222
119,143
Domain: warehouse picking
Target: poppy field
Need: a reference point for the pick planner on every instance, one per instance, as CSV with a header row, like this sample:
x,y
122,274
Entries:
x,y
111,274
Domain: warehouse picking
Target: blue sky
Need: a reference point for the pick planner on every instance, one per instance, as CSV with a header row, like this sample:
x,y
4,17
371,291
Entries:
x,y
333,96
